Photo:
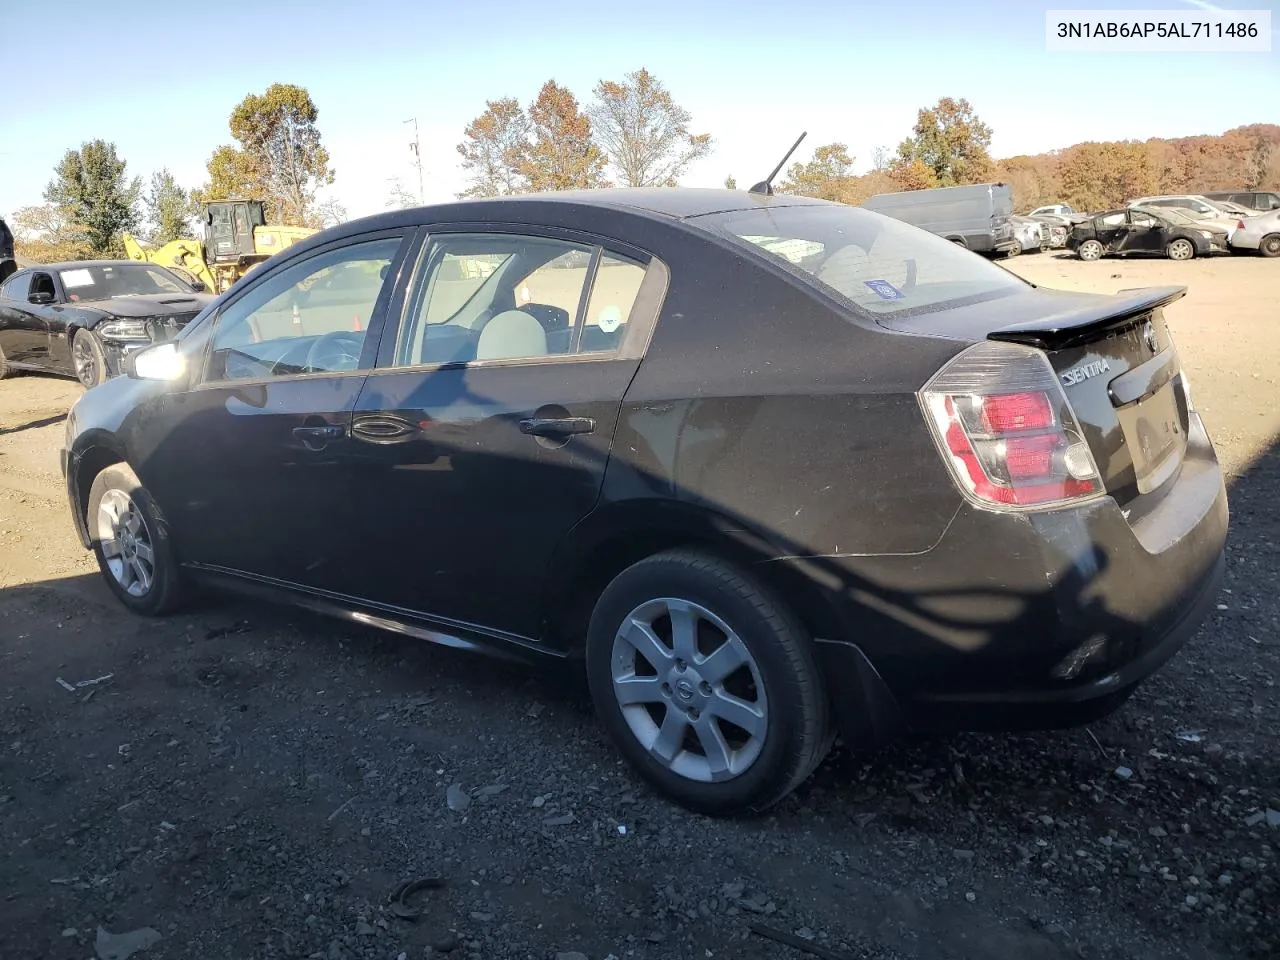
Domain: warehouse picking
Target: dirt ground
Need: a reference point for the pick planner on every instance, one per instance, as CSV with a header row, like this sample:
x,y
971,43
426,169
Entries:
x,y
253,782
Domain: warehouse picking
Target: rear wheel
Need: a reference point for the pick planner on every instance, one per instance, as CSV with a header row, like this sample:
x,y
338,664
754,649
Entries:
x,y
131,545
1270,245
88,359
1015,250
1181,249
1090,250
707,684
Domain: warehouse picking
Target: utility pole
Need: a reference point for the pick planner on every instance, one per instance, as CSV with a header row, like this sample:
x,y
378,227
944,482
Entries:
x,y
416,147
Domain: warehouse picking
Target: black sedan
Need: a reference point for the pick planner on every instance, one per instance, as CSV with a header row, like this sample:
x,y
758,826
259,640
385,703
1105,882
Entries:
x,y
760,468
84,318
1141,231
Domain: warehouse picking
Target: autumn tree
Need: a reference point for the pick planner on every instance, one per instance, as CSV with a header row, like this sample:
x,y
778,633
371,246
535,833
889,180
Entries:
x,y
280,158
913,175
169,208
563,155
951,141
643,131
495,150
1098,176
91,191
730,183
1033,181
47,234
828,176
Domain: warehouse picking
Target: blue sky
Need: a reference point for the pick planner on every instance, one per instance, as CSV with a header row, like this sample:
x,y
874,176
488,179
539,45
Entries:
x,y
160,81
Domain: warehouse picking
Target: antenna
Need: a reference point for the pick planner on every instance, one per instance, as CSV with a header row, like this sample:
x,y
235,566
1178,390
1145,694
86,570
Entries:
x,y
416,147
766,186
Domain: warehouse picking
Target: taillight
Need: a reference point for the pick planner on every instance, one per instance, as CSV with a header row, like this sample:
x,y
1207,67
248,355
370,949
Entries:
x,y
1007,432
1239,224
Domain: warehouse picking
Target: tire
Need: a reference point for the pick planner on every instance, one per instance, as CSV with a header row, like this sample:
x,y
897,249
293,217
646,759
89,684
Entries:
x,y
87,359
1089,250
1268,246
777,681
117,493
1014,251
1180,249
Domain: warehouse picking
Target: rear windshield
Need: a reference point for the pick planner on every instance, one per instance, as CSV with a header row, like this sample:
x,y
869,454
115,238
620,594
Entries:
x,y
878,264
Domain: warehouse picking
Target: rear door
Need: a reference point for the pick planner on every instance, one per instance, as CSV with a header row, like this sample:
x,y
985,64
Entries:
x,y
249,461
1112,229
482,437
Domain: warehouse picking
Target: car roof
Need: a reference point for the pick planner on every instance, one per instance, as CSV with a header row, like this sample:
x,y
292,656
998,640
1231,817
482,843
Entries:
x,y
672,203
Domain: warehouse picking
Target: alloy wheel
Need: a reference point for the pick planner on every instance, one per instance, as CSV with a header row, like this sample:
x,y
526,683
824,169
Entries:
x,y
84,361
127,548
1090,250
689,690
1181,250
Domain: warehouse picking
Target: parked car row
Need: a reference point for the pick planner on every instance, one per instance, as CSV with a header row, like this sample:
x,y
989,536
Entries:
x,y
1177,226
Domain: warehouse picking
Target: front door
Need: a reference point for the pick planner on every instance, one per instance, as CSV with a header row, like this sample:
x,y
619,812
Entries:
x,y
250,466
484,434
1144,234
22,333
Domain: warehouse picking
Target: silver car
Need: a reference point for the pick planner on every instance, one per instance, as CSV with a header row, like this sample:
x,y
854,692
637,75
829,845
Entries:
x,y
1261,233
1029,235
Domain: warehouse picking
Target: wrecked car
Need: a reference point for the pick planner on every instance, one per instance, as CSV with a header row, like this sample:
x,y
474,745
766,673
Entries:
x,y
1138,231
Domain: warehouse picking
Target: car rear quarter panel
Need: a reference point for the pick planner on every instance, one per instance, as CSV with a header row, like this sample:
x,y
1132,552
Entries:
x,y
767,406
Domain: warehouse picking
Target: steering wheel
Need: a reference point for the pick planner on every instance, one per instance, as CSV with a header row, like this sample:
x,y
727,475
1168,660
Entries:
x,y
332,352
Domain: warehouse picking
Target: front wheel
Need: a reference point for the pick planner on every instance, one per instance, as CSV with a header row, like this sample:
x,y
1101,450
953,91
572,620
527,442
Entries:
x,y
1090,250
707,684
1015,250
131,545
1269,246
88,360
1181,249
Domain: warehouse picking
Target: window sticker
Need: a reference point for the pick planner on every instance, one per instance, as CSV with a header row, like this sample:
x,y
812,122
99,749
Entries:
x,y
883,289
76,278
610,319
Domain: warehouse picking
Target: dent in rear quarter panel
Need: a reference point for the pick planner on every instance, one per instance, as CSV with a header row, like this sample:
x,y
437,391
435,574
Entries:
x,y
761,403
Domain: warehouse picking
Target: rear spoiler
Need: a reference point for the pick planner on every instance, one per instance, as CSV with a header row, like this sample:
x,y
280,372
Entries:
x,y
1082,324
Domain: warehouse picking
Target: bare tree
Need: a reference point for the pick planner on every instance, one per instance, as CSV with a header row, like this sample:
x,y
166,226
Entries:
x,y
643,131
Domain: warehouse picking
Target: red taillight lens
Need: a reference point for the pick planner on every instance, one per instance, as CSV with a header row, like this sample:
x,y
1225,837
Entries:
x,y
1007,431
1011,412
1239,224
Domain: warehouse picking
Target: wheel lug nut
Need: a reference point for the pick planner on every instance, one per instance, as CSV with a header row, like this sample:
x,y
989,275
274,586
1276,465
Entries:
x,y
680,665
693,713
705,687
666,689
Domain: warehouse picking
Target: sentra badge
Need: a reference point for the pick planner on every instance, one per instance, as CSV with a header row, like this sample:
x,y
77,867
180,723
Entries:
x,y
1084,372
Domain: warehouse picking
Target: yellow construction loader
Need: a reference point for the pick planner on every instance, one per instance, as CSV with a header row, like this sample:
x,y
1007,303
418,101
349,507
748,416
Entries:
x,y
236,239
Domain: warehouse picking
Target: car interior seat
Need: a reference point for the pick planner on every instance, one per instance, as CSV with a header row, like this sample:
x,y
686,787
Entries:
x,y
512,333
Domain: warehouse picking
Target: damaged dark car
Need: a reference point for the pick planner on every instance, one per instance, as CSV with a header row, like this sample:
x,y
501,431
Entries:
x,y
86,318
760,469
1141,231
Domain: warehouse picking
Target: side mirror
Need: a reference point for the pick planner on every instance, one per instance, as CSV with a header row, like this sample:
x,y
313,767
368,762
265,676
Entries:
x,y
164,361
198,286
40,297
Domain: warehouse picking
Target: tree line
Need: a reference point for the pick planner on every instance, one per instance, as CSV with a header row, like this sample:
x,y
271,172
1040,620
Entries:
x,y
629,132
92,201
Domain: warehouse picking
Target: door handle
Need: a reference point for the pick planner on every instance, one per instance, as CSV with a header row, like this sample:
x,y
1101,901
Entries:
x,y
557,426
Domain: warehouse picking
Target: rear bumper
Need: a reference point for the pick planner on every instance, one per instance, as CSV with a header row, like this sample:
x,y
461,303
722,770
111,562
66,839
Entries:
x,y
1015,621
